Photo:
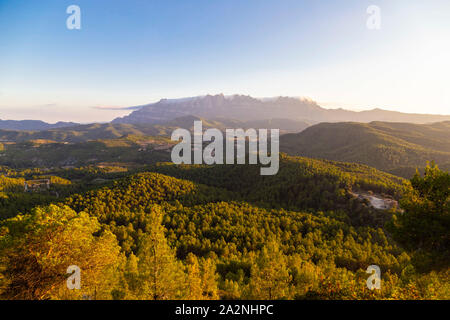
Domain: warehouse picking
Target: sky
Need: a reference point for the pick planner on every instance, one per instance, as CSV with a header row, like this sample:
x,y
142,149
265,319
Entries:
x,y
135,52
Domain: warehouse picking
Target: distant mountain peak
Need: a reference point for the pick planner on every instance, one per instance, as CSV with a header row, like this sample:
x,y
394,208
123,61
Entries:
x,y
247,108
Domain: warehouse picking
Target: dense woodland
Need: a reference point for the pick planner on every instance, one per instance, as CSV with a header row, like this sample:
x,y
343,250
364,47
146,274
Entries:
x,y
223,232
394,147
398,148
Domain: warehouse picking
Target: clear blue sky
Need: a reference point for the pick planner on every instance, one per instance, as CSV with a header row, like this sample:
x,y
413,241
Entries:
x,y
135,52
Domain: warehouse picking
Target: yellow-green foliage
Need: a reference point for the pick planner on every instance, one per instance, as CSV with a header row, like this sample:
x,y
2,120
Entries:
x,y
37,249
11,184
57,180
223,232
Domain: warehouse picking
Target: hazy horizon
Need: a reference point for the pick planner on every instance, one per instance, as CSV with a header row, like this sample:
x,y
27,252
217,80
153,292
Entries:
x,y
134,53
112,112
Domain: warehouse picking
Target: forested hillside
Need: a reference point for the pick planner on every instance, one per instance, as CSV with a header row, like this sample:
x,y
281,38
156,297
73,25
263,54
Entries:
x,y
208,232
108,131
398,148
32,125
45,154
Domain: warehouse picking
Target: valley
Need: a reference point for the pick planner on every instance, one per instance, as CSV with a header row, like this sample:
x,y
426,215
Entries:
x,y
308,231
283,153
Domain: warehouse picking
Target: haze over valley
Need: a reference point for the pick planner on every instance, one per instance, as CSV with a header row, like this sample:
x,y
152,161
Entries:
x,y
391,141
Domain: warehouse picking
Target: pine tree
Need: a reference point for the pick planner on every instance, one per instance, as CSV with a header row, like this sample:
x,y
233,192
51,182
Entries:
x,y
270,277
201,278
423,227
194,280
209,279
129,283
37,249
161,273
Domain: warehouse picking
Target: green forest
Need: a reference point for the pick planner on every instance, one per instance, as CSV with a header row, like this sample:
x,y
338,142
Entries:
x,y
165,231
259,155
397,148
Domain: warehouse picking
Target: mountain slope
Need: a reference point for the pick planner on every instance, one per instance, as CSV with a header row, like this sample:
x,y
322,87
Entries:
x,y
79,133
32,125
246,108
96,131
383,145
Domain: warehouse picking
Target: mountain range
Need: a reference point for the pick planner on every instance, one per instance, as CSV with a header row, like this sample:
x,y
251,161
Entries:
x,y
286,113
246,108
81,133
394,142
